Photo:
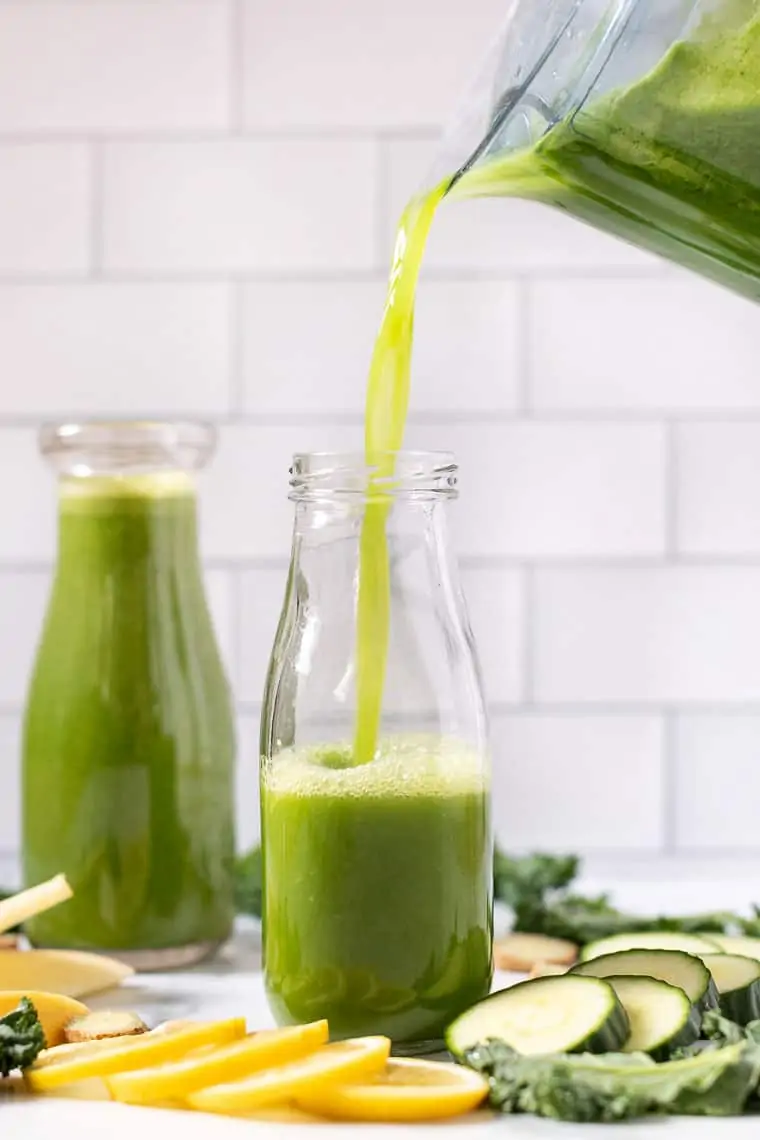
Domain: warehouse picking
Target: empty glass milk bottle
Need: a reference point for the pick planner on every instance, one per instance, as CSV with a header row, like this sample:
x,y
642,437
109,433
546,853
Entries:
x,y
128,747
377,861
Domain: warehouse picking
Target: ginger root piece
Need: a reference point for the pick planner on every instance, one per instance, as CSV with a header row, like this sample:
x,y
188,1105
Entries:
x,y
546,970
104,1024
521,952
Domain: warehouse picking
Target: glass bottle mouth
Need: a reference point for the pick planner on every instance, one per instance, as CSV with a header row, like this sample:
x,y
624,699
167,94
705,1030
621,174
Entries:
x,y
324,475
126,447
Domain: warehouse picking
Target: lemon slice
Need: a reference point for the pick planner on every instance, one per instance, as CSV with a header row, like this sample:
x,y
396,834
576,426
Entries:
x,y
226,1063
134,1053
405,1090
332,1064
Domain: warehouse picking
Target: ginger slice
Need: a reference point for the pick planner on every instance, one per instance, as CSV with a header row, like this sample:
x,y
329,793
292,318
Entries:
x,y
521,952
104,1024
546,970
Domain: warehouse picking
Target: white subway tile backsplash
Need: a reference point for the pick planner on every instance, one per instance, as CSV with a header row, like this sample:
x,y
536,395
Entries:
x,y
578,783
28,506
715,756
340,64
495,603
23,598
245,509
309,346
718,488
45,204
114,67
198,201
10,774
220,595
261,598
120,348
232,205
675,634
636,345
491,235
555,490
247,784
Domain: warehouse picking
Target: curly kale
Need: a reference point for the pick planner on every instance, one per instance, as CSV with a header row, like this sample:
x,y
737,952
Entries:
x,y
538,890
618,1086
21,1038
248,883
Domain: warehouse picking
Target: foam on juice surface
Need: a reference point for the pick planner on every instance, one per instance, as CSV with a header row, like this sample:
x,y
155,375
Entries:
x,y
404,766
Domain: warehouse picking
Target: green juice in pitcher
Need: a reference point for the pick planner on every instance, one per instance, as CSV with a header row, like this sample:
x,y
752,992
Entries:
x,y
128,753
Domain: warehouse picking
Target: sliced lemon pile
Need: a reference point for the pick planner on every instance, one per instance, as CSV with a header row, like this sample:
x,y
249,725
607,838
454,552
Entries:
x,y
102,1059
330,1065
405,1090
228,1063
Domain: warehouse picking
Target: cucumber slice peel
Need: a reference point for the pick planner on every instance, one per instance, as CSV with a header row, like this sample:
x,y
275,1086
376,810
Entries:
x,y
685,971
738,982
567,1014
736,944
660,1015
652,940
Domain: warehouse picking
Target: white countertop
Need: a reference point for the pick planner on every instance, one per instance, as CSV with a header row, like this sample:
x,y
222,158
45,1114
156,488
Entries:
x,y
231,985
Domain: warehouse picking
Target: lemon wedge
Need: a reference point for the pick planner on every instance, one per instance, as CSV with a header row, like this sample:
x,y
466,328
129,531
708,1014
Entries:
x,y
102,1059
54,1010
226,1063
332,1064
405,1090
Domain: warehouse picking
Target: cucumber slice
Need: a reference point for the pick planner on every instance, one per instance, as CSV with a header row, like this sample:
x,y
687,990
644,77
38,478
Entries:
x,y
737,944
651,940
686,971
660,1015
738,982
566,1014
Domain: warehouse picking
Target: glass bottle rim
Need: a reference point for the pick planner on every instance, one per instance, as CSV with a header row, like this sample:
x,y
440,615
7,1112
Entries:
x,y
325,475
82,448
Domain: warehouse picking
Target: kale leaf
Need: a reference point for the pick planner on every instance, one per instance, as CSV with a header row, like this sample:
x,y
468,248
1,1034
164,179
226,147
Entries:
x,y
21,1038
537,888
248,883
612,1087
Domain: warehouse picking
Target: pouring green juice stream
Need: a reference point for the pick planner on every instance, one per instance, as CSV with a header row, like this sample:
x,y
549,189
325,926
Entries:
x,y
671,163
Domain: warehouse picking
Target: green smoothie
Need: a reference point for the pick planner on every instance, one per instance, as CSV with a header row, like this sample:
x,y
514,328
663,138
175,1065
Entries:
x,y
377,887
128,738
671,163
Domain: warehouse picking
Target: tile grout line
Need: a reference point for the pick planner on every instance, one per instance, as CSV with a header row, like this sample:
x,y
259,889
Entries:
x,y
671,465
97,209
669,822
236,92
528,629
583,563
525,402
382,207
236,632
236,363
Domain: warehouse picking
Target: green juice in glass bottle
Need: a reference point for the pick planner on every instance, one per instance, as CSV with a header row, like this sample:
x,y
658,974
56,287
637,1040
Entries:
x,y
128,749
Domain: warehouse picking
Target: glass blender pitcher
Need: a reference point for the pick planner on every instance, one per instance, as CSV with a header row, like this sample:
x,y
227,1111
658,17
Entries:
x,y
641,117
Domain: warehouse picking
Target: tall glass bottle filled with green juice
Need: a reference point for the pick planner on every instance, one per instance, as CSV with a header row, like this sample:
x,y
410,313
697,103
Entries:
x,y
128,743
377,868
